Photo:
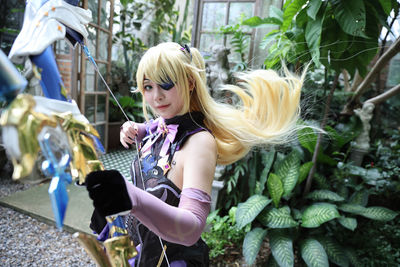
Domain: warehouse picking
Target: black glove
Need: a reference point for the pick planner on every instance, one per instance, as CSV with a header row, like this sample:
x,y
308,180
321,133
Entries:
x,y
108,191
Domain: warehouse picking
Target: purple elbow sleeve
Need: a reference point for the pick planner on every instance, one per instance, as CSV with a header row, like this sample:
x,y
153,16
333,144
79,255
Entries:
x,y
183,224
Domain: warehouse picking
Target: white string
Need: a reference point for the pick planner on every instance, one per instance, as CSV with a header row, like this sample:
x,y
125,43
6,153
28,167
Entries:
x,y
86,50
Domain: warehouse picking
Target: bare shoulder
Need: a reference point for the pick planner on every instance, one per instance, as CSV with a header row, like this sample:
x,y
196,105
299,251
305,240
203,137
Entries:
x,y
202,141
199,161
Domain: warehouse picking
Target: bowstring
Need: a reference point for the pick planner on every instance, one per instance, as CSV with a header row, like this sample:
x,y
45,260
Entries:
x,y
91,59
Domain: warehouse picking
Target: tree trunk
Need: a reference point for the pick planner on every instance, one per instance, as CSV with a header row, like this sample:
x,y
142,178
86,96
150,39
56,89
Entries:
x,y
319,138
382,61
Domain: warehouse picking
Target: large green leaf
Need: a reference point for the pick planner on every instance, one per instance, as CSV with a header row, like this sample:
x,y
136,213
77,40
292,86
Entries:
x,y
313,253
374,213
351,16
252,243
379,213
288,170
324,195
248,211
335,251
349,223
277,218
359,198
304,170
275,12
307,138
313,38
257,22
275,188
319,213
267,160
386,5
290,12
281,248
352,208
313,7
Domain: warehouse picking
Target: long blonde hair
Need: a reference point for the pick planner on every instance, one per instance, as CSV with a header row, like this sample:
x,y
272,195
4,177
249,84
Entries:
x,y
266,114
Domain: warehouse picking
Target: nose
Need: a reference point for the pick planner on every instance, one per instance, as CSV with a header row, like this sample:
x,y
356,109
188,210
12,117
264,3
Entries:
x,y
158,94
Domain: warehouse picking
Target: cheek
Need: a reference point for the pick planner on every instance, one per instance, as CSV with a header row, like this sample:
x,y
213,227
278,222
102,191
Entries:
x,y
147,97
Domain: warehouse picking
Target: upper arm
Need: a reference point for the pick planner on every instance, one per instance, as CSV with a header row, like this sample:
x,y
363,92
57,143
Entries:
x,y
200,157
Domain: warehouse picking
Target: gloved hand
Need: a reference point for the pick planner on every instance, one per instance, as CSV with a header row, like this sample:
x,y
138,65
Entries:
x,y
108,191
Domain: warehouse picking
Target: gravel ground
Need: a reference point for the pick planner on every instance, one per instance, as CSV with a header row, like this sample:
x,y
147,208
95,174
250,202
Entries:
x,y
25,241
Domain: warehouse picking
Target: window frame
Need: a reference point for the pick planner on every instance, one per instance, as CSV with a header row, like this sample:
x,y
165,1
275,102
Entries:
x,y
197,22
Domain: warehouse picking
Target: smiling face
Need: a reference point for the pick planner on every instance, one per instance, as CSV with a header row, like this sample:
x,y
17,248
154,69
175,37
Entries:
x,y
164,100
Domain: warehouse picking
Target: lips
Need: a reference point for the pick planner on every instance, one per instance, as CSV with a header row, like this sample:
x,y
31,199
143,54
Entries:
x,y
162,107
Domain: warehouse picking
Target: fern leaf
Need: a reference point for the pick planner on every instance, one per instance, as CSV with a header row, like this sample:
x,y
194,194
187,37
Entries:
x,y
248,211
313,253
335,251
252,243
319,213
324,195
277,218
275,188
349,223
281,248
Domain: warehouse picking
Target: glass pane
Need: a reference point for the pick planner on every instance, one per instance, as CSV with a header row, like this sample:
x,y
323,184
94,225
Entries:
x,y
89,76
103,46
104,13
89,107
238,9
207,41
101,130
103,70
214,15
62,47
91,41
101,108
93,5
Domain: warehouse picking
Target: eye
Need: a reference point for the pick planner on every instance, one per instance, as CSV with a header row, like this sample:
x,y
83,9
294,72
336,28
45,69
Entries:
x,y
147,87
167,86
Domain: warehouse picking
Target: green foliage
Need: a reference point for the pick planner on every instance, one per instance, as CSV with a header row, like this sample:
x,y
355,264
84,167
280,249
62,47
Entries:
x,y
239,42
336,33
252,243
223,232
131,107
248,211
313,253
282,248
314,222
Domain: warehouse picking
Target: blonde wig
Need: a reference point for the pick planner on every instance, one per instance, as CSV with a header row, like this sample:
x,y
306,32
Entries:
x,y
266,114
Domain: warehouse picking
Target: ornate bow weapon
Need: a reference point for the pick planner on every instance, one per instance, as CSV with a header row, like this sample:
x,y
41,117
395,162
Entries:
x,y
79,153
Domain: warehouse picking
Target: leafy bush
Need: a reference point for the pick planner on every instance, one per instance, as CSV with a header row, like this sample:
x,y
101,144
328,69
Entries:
x,y
311,223
222,232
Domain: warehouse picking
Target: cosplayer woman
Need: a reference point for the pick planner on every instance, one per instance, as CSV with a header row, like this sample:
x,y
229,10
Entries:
x,y
169,199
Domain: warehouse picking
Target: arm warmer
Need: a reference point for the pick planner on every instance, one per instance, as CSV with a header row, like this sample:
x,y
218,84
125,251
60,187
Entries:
x,y
183,224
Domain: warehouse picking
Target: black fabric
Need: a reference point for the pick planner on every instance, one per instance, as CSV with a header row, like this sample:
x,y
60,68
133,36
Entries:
x,y
108,191
97,222
165,189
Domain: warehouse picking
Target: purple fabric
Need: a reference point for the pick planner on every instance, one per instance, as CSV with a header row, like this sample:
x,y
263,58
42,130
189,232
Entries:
x,y
182,225
104,233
